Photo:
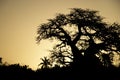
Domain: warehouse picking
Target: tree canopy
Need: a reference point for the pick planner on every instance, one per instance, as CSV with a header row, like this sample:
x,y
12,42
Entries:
x,y
85,33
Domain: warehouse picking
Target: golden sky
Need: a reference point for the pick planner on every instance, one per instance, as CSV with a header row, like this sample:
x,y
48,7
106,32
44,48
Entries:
x,y
19,20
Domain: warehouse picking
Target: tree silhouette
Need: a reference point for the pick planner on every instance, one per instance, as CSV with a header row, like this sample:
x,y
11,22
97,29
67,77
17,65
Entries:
x,y
45,63
0,61
84,31
61,56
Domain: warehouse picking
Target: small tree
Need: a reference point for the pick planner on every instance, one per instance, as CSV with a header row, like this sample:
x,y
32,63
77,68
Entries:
x,y
61,56
0,61
45,63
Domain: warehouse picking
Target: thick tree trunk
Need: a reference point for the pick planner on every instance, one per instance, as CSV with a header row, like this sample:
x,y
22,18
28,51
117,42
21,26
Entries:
x,y
86,61
78,58
91,60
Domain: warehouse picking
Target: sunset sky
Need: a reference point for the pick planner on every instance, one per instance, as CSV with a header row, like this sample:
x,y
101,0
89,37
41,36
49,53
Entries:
x,y
19,20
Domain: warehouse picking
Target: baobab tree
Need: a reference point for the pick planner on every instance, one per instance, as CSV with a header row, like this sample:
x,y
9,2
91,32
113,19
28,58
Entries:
x,y
85,32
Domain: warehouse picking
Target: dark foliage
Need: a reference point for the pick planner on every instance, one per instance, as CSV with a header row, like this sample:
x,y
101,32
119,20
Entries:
x,y
17,72
86,50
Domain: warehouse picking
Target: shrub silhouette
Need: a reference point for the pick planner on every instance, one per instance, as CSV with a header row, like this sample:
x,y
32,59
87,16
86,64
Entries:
x,y
15,72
